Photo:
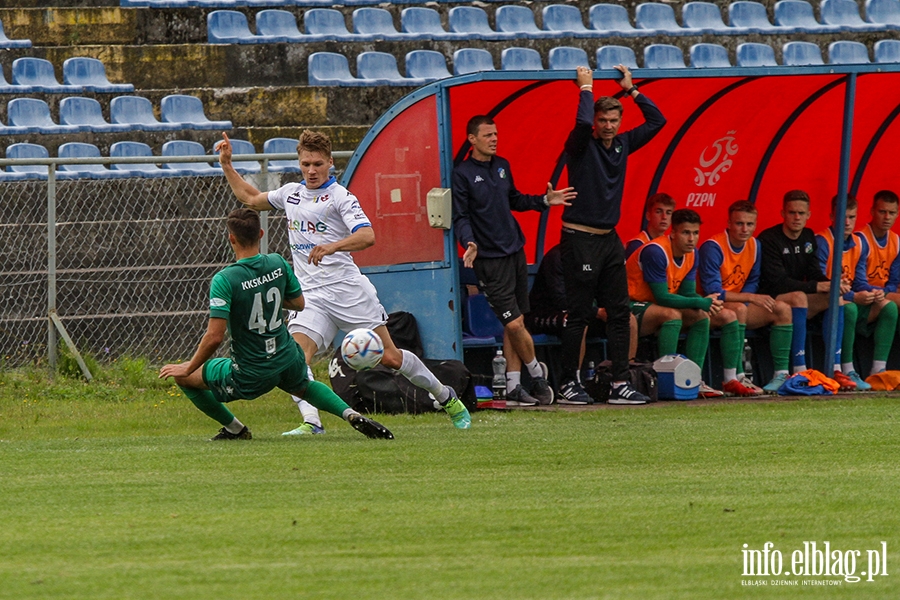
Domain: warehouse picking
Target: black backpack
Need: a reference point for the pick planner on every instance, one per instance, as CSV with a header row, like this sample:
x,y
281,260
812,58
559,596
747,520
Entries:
x,y
641,375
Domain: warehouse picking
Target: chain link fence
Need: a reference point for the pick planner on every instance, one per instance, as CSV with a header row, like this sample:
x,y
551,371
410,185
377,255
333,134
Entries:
x,y
133,262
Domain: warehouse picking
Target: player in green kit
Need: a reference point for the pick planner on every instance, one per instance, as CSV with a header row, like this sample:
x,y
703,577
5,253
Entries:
x,y
246,300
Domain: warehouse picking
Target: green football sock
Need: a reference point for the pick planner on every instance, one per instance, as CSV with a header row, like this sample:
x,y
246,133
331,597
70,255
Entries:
x,y
732,344
885,326
851,314
208,405
667,338
697,342
780,346
739,354
322,397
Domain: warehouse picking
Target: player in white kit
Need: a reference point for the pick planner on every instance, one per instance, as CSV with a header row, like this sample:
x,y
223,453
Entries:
x,y
326,223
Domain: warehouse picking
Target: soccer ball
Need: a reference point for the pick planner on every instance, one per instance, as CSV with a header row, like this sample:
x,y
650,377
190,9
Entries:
x,y
362,349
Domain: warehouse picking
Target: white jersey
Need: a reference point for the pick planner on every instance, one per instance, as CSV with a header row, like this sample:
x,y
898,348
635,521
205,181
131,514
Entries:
x,y
321,216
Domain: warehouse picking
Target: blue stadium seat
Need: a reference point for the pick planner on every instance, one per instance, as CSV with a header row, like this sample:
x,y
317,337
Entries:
x,y
187,111
90,74
38,74
427,65
330,68
242,166
473,22
705,17
425,23
658,17
519,21
884,12
802,54
28,151
750,17
610,56
86,114
229,27
278,26
663,56
481,321
9,88
845,52
380,68
186,148
327,24
612,19
376,23
565,20
845,13
130,150
563,58
32,115
798,17
887,51
5,42
137,113
520,59
282,146
472,60
709,56
81,150
756,55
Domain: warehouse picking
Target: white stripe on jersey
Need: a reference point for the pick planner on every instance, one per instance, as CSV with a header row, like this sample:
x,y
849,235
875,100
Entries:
x,y
321,216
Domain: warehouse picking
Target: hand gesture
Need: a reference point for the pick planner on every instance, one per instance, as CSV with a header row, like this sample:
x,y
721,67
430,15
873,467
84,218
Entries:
x,y
319,252
716,306
223,147
763,301
845,286
625,82
557,197
470,255
584,76
864,298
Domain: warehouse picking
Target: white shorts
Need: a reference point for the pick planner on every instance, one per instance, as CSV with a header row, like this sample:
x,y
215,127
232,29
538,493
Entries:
x,y
337,307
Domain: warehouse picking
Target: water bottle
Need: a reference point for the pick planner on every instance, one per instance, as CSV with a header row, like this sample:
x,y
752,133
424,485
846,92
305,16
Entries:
x,y
748,362
590,372
498,383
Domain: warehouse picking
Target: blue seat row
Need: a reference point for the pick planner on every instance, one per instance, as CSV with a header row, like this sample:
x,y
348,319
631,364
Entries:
x,y
559,20
80,74
127,113
424,66
5,42
138,149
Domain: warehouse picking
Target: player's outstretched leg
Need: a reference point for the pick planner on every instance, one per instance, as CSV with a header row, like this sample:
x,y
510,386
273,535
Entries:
x,y
369,428
312,423
458,412
418,374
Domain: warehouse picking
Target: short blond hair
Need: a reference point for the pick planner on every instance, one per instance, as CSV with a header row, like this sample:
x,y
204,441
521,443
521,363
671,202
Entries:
x,y
314,141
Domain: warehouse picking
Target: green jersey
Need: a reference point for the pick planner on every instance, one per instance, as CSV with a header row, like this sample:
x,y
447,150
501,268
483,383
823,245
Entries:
x,y
249,294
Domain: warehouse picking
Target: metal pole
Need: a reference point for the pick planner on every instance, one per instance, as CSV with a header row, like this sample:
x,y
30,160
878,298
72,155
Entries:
x,y
51,267
837,228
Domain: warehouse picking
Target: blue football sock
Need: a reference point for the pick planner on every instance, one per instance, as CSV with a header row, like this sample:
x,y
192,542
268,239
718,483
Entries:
x,y
798,338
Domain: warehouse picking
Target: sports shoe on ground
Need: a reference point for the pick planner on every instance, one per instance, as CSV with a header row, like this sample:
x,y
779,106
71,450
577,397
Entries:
x,y
773,386
847,384
708,392
626,394
541,391
458,412
519,397
736,388
369,428
306,429
861,385
747,382
224,434
571,392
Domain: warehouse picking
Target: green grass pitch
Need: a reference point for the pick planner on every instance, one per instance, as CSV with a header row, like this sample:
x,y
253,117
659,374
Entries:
x,y
110,490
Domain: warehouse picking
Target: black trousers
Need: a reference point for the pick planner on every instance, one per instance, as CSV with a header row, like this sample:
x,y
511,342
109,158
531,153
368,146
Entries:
x,y
594,270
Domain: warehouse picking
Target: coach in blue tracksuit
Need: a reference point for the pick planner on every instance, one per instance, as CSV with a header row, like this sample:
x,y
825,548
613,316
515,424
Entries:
x,y
592,253
484,197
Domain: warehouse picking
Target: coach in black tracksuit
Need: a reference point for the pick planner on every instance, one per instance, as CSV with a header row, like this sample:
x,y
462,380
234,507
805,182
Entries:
x,y
484,197
593,255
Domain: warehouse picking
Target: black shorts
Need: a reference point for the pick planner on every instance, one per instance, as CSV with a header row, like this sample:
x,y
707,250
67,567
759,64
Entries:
x,y
504,282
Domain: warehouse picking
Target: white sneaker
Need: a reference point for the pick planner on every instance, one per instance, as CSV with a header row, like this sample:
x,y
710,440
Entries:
x,y
708,392
746,381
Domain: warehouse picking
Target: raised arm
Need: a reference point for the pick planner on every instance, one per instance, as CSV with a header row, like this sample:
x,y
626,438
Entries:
x,y
245,192
583,131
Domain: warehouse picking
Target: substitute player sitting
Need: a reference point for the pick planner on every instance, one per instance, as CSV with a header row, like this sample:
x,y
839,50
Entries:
x,y
729,266
662,273
658,213
246,300
867,313
325,223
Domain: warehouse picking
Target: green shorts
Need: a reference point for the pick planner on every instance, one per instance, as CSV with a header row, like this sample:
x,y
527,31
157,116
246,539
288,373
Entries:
x,y
638,309
227,384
